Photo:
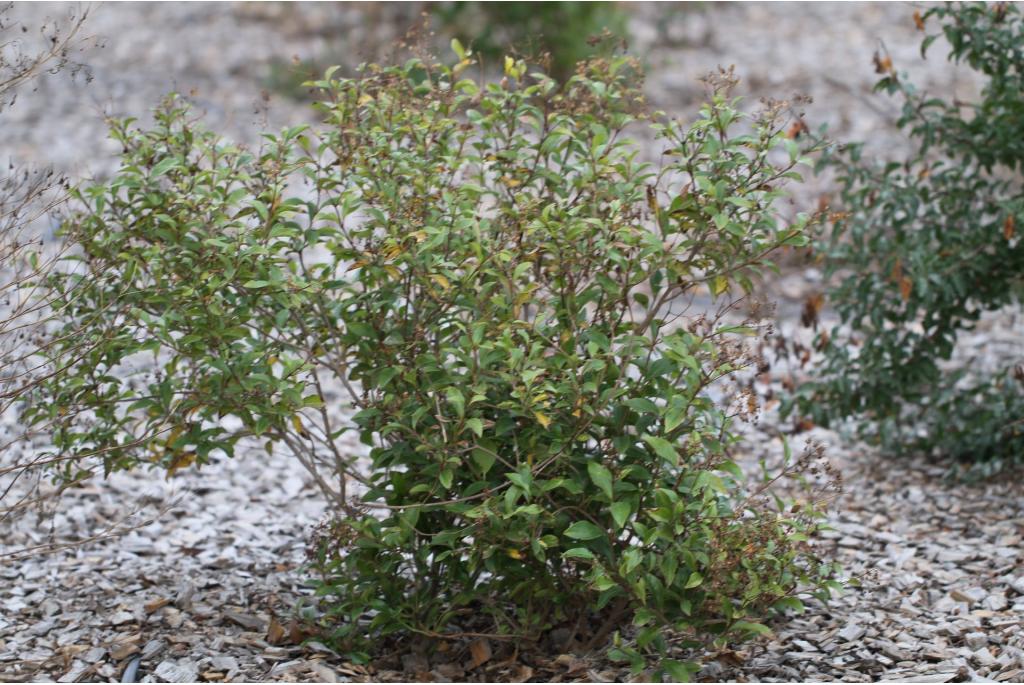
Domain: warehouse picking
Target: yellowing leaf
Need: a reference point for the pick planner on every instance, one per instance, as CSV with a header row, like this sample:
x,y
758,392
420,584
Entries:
x,y
178,430
299,428
542,419
365,99
180,461
510,66
441,281
719,284
514,553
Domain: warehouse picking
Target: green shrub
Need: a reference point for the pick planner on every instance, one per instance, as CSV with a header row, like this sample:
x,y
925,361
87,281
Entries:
x,y
923,247
565,31
501,287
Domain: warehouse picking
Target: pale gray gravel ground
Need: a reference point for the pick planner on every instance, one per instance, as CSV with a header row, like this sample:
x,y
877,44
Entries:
x,y
192,594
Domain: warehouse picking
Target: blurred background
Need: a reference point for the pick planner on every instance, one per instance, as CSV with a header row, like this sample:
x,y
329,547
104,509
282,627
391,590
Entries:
x,y
244,63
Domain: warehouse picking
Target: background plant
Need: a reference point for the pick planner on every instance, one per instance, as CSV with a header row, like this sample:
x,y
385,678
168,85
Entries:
x,y
564,31
554,35
529,323
29,196
923,248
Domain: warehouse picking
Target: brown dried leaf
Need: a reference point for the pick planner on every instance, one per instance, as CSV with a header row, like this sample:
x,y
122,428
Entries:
x,y
883,63
802,426
521,674
823,341
897,270
276,632
906,287
156,604
123,651
918,20
298,631
480,650
812,307
1009,227
570,663
799,126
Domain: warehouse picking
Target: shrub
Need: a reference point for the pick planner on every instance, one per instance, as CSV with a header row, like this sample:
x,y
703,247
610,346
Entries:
x,y
505,293
923,247
565,31
28,195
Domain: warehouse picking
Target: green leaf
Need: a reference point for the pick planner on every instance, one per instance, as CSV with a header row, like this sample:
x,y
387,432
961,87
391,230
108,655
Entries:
x,y
791,603
680,671
584,530
601,477
620,513
164,165
457,48
578,553
456,399
748,627
693,581
445,478
476,425
663,448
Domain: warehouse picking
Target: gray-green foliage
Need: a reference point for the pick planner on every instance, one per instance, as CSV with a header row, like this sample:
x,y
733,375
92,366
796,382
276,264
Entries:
x,y
499,283
926,245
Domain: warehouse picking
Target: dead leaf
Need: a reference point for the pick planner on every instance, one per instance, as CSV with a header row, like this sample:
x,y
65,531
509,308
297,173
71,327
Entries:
x,y
480,650
799,126
297,632
447,673
123,651
823,340
883,63
732,658
570,663
275,632
1009,227
521,674
321,671
812,307
905,284
802,426
918,20
156,604
906,287
897,270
